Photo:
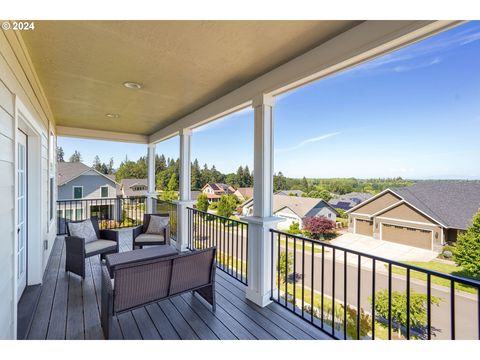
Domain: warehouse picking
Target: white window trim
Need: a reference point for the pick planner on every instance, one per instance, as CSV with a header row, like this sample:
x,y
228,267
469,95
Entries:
x,y
73,192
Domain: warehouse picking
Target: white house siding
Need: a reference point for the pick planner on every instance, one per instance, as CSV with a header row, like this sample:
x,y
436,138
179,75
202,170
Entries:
x,y
289,218
19,84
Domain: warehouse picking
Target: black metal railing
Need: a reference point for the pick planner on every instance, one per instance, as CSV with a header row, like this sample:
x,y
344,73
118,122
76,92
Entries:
x,y
112,213
228,235
353,295
163,206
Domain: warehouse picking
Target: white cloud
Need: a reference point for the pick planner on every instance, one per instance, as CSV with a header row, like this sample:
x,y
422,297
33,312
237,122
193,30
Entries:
x,y
308,141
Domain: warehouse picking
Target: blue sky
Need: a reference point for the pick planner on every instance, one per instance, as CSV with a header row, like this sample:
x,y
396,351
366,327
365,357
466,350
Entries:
x,y
413,113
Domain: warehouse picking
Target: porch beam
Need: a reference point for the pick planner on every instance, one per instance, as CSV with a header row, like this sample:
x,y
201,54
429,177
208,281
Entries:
x,y
359,44
185,200
101,135
151,192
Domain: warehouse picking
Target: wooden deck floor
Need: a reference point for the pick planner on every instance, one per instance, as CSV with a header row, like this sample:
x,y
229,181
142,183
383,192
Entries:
x,y
68,308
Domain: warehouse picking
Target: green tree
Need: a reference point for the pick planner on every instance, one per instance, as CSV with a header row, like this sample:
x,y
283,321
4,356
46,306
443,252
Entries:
x,y
196,176
418,308
76,157
320,194
60,154
304,186
467,253
285,265
279,182
226,205
173,183
202,202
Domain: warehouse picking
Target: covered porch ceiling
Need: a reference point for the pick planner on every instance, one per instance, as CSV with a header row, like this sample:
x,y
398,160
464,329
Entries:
x,y
190,71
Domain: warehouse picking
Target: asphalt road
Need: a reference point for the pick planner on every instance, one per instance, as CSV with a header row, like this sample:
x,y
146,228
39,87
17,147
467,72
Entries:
x,y
466,305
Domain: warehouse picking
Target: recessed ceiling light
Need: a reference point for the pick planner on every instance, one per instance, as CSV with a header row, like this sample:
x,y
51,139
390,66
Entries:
x,y
132,85
112,115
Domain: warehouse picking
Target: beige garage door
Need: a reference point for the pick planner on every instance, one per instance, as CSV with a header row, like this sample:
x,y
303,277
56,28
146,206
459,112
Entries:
x,y
364,227
407,236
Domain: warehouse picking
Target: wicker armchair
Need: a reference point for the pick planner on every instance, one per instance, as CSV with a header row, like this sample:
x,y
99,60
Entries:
x,y
133,284
141,238
77,250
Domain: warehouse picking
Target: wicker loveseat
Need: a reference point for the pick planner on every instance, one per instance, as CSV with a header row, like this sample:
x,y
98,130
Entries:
x,y
78,248
137,283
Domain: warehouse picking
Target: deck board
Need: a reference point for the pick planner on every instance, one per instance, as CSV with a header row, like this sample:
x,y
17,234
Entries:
x,y
69,308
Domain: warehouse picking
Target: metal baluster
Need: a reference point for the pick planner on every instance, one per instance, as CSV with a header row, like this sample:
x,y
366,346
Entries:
x,y
389,301
312,285
333,293
429,307
294,268
303,277
323,283
452,308
286,272
345,295
278,267
236,252
358,294
408,303
272,274
373,298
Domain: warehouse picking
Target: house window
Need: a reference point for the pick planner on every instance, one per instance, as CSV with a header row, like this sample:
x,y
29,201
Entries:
x,y
68,214
77,192
79,214
329,215
51,199
104,190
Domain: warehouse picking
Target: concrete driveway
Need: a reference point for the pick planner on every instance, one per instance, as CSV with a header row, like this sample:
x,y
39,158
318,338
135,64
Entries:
x,y
386,249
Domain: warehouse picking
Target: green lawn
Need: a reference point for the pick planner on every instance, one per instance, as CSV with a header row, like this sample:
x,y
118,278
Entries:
x,y
440,267
308,246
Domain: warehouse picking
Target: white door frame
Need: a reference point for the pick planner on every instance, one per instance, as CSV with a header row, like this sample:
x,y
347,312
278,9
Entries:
x,y
21,213
28,124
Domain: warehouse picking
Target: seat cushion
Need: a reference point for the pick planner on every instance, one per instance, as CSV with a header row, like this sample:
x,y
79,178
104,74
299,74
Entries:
x,y
100,246
157,224
83,229
150,238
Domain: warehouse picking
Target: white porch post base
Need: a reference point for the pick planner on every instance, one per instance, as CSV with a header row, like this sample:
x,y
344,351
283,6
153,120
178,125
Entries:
x,y
181,242
260,260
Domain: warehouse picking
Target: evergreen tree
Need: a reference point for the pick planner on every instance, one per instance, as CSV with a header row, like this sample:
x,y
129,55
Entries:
x,y
467,251
60,154
97,164
76,157
173,183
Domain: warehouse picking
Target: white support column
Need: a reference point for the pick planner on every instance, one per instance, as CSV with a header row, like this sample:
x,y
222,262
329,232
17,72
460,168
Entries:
x,y
151,193
184,190
259,247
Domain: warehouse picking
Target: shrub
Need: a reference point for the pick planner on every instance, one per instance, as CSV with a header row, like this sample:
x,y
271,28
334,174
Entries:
x,y
467,251
213,205
418,308
294,228
285,265
227,205
318,226
202,202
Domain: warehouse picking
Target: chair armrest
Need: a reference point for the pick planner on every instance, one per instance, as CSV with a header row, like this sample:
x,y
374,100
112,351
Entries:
x,y
166,234
137,231
75,245
109,235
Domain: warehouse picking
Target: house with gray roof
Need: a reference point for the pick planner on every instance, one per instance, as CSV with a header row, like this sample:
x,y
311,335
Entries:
x,y
295,209
84,192
133,187
297,193
348,201
427,214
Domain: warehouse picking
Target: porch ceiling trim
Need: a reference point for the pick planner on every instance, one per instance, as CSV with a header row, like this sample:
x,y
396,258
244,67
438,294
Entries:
x,y
359,44
101,135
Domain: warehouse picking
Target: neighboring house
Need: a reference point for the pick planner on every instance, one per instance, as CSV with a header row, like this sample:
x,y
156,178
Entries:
x,y
78,183
297,193
214,191
133,187
350,200
295,209
427,214
243,194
